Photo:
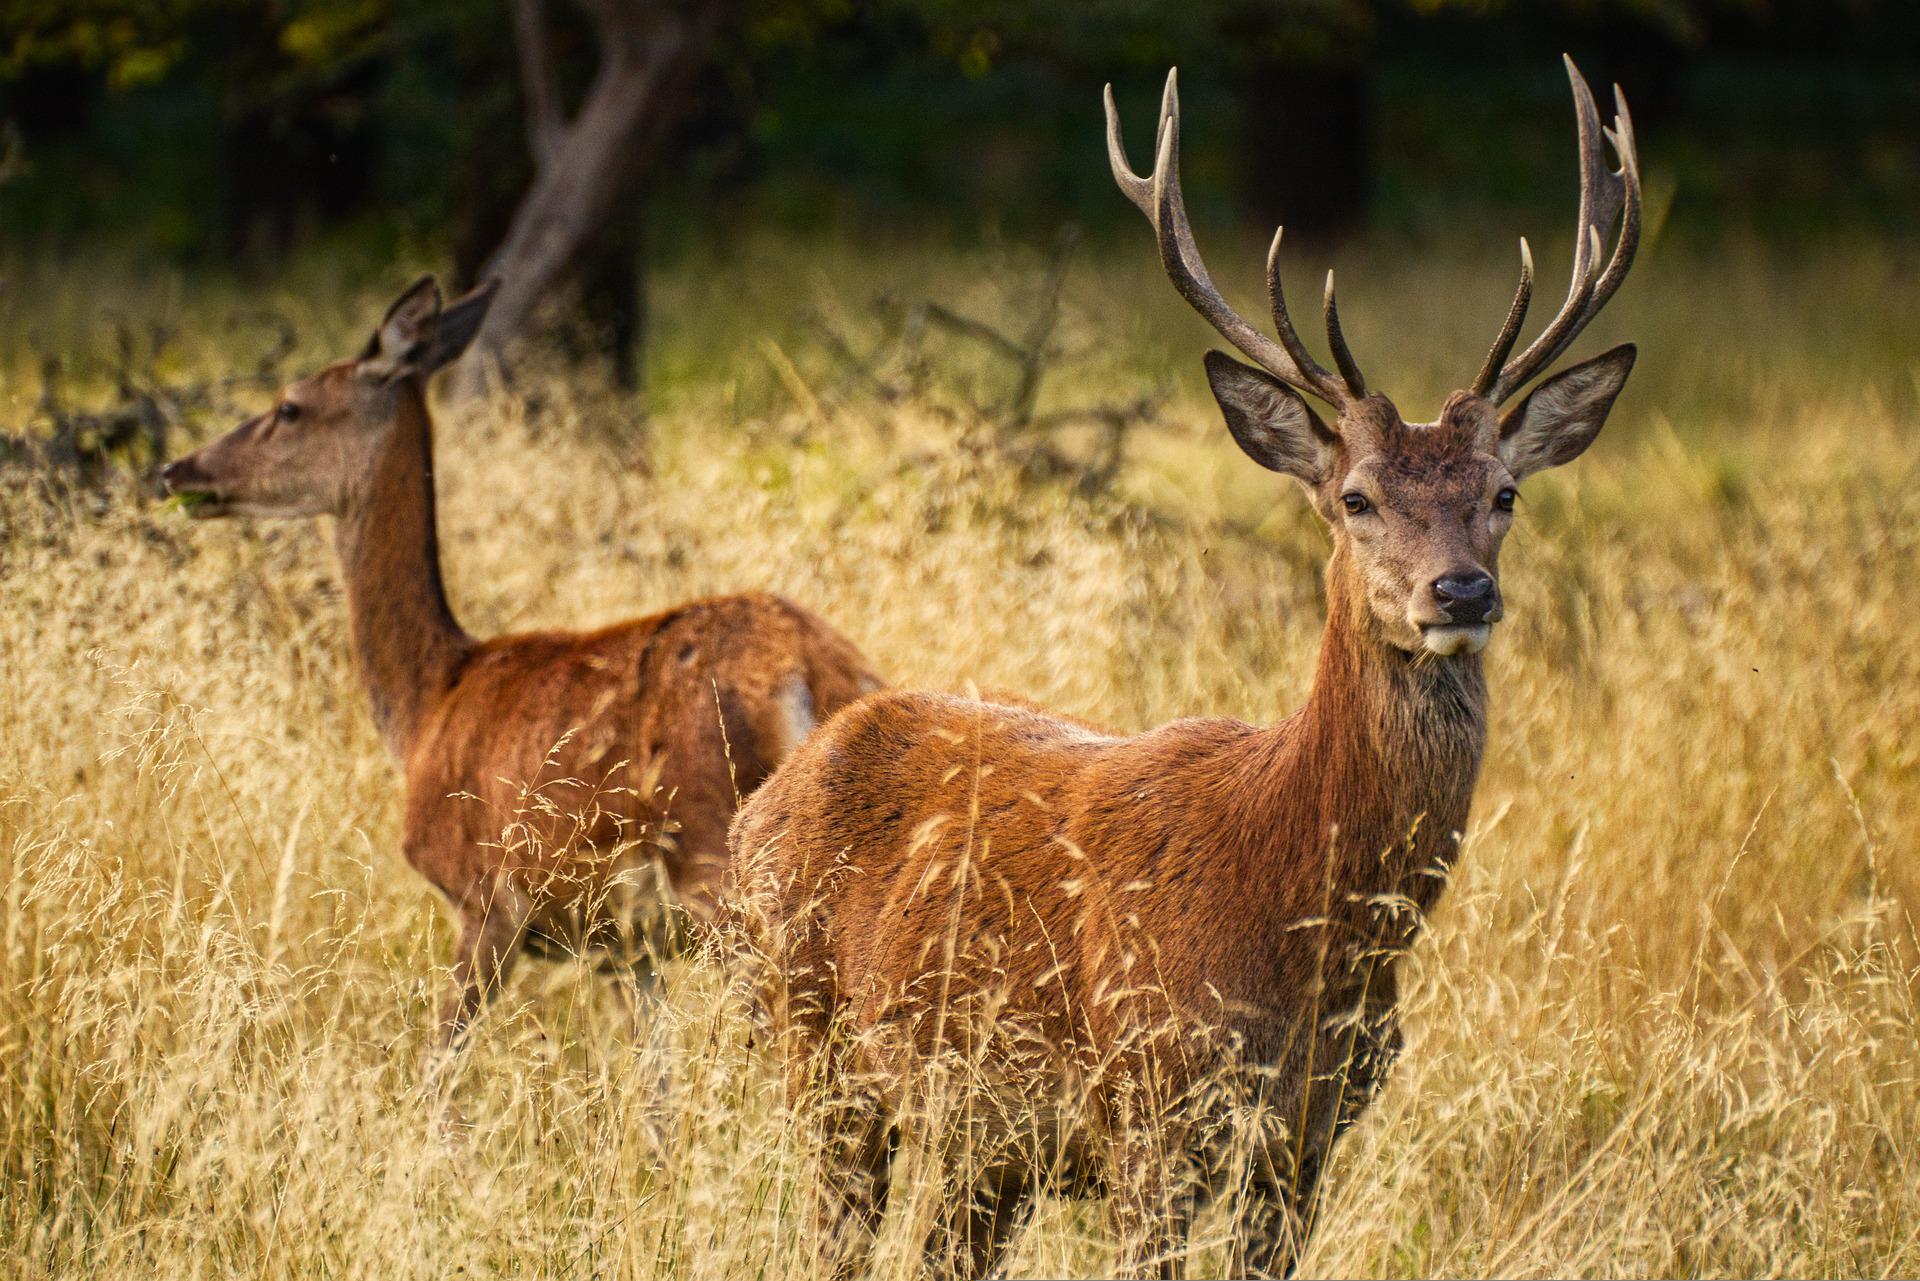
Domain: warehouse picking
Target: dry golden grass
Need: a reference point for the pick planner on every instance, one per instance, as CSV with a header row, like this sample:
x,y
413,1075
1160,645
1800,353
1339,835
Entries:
x,y
1663,1023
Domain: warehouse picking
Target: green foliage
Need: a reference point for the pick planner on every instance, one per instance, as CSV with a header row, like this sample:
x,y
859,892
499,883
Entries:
x,y
158,121
977,33
233,45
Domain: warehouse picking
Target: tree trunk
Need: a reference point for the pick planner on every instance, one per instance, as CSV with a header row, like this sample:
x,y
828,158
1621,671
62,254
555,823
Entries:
x,y
1309,139
584,167
613,296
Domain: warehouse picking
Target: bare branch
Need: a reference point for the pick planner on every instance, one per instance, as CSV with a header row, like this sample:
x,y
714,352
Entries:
x,y
545,118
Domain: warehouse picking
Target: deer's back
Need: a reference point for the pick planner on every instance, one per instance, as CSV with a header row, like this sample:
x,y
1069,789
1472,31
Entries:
x,y
649,731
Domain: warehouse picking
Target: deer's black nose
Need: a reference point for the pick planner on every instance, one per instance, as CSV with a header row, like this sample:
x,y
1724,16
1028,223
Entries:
x,y
181,471
1467,598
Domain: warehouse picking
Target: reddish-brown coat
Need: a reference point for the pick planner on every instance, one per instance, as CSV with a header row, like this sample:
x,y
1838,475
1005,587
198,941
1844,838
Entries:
x,y
1104,926
543,770
1265,881
546,771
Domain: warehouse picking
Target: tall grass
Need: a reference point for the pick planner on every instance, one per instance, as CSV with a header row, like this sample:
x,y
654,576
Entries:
x,y
1664,1021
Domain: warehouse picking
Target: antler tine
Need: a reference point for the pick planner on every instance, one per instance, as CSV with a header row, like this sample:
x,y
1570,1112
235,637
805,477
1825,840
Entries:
x,y
1342,356
1132,185
1606,197
1599,194
1516,317
1318,375
1160,198
1621,136
1181,258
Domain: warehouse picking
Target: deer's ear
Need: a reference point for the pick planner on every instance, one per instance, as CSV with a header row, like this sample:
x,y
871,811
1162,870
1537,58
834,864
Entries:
x,y
1270,422
404,333
458,325
1560,417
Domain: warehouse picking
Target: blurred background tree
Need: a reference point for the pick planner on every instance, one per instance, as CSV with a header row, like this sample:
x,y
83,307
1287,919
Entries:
x,y
567,143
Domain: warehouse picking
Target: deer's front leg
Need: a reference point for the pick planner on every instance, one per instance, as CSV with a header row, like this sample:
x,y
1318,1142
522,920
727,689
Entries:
x,y
1276,1219
972,1232
1150,1211
490,933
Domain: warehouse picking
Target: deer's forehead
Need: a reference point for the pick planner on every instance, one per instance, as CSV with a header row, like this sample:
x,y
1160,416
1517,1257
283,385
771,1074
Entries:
x,y
1428,462
334,379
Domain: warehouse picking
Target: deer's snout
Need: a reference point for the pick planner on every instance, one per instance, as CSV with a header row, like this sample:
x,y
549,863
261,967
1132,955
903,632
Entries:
x,y
184,473
200,493
1467,597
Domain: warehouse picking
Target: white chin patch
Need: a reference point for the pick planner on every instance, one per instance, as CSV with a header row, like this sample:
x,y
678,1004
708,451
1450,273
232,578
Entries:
x,y
1449,639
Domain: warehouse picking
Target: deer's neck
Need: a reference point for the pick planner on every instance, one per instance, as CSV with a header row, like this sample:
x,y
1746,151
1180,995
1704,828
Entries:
x,y
1372,780
407,641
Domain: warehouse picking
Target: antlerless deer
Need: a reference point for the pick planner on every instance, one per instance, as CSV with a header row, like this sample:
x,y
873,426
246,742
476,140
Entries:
x,y
931,875
643,734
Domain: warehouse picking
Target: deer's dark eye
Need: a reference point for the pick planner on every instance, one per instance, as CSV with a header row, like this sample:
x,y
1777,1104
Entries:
x,y
286,411
1356,503
1504,500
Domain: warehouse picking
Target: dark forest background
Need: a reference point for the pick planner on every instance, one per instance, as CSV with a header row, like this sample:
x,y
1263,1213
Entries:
x,y
573,146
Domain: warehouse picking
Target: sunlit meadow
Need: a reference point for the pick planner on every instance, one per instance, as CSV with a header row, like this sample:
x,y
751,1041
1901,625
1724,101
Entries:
x,y
1663,1023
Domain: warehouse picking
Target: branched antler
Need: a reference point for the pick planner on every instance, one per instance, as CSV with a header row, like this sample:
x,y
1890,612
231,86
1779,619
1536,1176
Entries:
x,y
1160,199
1607,196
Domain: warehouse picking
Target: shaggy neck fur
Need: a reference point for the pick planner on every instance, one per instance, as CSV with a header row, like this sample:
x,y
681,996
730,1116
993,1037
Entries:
x,y
410,646
1370,782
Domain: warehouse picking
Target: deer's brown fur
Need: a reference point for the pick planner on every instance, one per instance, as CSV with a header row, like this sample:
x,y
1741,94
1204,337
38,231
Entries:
x,y
1106,927
545,771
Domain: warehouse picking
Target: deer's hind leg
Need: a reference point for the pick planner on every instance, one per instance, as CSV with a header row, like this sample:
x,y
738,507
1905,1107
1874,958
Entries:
x,y
971,1235
856,1146
846,1126
853,1140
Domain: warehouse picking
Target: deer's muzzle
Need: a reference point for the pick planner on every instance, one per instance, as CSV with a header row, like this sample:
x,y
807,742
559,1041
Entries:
x,y
185,478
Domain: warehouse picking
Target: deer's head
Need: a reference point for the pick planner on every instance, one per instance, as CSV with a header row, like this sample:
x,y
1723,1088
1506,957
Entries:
x,y
314,453
1418,511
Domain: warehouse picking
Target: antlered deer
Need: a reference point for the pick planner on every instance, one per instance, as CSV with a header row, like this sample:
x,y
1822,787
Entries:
x,y
1119,921
641,736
